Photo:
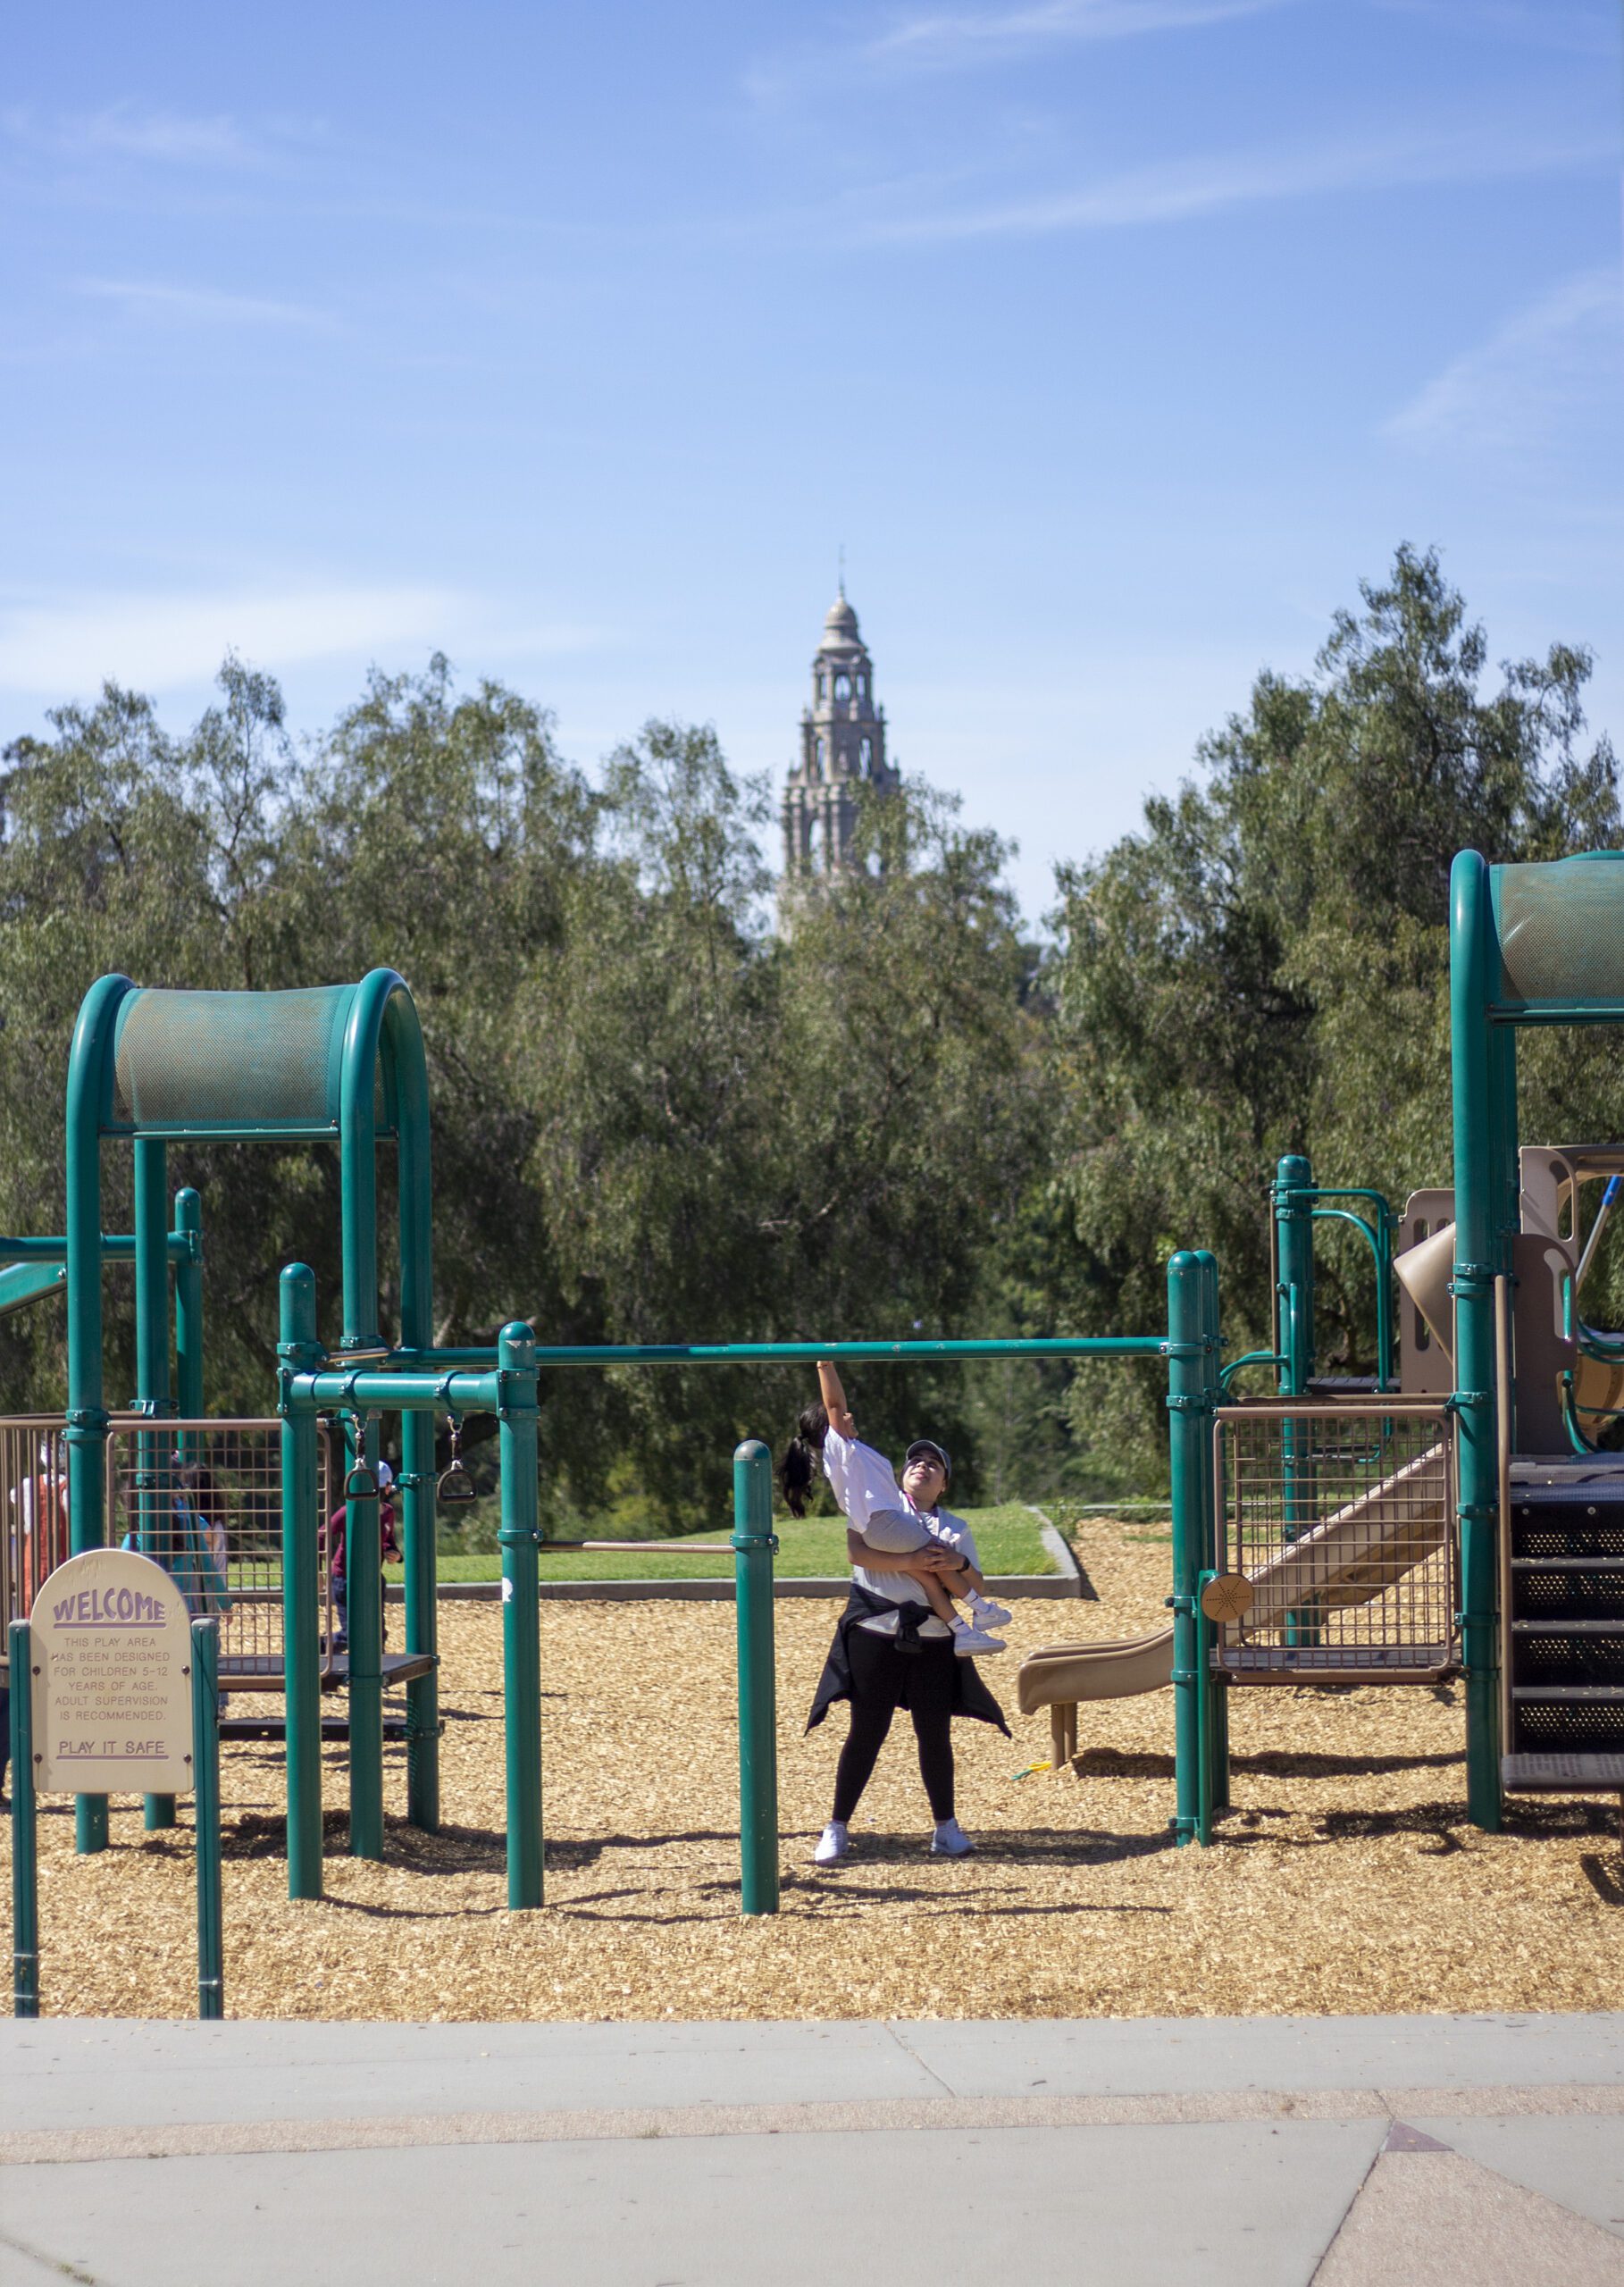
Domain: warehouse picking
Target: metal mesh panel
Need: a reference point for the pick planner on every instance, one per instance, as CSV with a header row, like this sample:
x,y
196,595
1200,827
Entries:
x,y
34,1496
230,1059
1575,1589
1567,1653
1536,1535
1344,1522
1562,930
205,1500
1579,1724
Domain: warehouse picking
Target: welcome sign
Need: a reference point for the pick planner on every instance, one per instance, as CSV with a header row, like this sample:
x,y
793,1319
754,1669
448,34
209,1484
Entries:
x,y
112,1648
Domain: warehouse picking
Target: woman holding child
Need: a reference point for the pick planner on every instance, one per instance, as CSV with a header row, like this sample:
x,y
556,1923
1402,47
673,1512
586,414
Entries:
x,y
899,1642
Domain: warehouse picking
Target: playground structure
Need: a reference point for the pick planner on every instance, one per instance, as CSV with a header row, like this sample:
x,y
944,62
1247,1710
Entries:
x,y
1446,1516
1450,1513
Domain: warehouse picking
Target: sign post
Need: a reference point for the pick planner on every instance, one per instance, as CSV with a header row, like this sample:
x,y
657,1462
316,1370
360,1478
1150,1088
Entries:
x,y
25,1840
205,1770
114,1689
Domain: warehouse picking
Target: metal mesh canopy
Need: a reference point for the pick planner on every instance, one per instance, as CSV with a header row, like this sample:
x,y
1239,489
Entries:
x,y
230,1062
1561,931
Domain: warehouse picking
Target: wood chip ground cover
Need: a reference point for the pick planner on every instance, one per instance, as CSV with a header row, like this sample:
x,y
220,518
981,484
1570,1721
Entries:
x,y
1346,1880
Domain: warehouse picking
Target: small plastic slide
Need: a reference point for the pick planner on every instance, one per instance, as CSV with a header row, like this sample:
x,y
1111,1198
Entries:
x,y
1355,1555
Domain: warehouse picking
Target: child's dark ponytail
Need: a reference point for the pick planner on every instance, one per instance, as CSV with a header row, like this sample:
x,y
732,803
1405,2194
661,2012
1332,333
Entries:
x,y
797,1470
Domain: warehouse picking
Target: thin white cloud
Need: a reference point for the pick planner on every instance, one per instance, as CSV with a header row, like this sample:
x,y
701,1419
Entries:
x,y
1181,189
212,141
123,130
945,39
167,135
150,642
1531,382
198,305
950,40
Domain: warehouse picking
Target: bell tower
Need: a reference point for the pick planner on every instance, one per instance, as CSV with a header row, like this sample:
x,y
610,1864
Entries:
x,y
843,745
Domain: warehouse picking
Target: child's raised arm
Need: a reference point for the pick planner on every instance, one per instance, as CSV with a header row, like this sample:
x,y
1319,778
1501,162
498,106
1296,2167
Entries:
x,y
834,1399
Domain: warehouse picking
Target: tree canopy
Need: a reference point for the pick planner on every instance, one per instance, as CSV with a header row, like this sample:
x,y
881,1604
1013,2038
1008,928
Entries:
x,y
666,1110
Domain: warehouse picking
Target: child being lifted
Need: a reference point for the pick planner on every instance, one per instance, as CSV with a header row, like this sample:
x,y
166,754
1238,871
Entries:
x,y
893,1519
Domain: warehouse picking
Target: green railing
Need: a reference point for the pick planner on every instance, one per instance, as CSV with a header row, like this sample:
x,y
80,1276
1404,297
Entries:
x,y
421,1383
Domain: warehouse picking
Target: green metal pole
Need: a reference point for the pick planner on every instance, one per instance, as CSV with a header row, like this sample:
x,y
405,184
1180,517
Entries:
x,y
754,1544
188,1303
521,1610
25,1828
1378,1238
205,1782
419,1528
153,1479
363,1572
1187,1407
1216,1712
1294,1202
419,1523
1478,1110
785,1354
90,1103
298,1352
1295,1254
358,1159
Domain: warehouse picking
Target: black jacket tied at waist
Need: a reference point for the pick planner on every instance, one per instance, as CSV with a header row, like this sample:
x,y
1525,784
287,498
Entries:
x,y
971,1697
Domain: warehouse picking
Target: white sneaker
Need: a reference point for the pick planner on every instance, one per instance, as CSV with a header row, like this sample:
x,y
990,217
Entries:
x,y
988,1614
950,1841
833,1845
968,1642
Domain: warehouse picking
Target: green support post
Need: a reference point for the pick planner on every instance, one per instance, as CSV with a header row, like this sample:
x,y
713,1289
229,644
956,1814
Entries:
x,y
1481,1082
1293,1204
521,1610
419,1515
205,1784
754,1544
89,1086
1216,1704
1189,1409
363,1583
25,1828
418,1530
188,1303
1294,1258
300,1353
152,1475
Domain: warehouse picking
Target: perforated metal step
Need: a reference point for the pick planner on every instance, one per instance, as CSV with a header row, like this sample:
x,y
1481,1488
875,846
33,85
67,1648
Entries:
x,y
1564,1641
1561,1774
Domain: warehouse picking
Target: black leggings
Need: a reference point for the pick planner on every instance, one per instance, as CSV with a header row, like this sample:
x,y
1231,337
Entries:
x,y
881,1676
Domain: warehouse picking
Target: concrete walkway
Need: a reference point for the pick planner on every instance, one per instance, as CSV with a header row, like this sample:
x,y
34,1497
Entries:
x,y
1265,2152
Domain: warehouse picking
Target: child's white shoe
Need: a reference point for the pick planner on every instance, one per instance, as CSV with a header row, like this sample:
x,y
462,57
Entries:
x,y
950,1840
987,1614
969,1642
833,1844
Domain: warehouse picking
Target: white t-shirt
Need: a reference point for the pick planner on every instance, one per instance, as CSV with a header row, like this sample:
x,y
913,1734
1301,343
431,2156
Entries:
x,y
863,1481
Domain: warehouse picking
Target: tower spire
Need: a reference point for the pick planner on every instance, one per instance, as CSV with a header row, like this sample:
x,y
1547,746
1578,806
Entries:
x,y
842,746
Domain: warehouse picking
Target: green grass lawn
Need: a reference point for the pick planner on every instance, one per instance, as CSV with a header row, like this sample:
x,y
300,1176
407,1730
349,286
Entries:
x,y
1007,1539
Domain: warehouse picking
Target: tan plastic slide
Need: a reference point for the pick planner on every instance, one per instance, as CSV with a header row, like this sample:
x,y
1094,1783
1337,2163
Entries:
x,y
1355,1555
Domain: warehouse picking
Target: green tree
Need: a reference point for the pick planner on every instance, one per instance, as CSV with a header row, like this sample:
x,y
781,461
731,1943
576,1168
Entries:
x,y
1263,968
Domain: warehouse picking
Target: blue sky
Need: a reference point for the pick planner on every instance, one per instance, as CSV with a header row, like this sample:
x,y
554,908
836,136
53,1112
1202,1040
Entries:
x,y
1115,339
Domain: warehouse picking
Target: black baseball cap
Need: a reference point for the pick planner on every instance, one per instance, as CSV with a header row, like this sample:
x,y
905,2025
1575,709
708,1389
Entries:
x,y
926,1448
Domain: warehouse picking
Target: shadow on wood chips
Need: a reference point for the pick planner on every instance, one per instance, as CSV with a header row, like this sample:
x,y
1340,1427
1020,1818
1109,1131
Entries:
x,y
1346,1878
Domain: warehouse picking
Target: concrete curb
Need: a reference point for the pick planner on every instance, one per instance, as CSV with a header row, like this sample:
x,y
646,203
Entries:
x,y
1067,1581
1042,1585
